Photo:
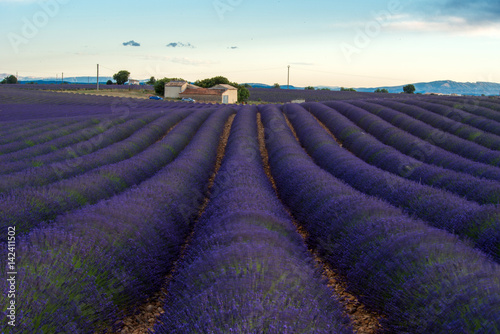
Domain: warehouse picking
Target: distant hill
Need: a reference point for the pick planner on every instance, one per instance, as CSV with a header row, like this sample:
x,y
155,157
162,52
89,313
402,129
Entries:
x,y
72,80
438,87
446,87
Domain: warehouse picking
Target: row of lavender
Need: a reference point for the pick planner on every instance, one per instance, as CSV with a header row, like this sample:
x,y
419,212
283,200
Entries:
x,y
19,106
246,269
29,206
106,267
423,280
85,270
106,135
416,164
442,209
484,132
424,131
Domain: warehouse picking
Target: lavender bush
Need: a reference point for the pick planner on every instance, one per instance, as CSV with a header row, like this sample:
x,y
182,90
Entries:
x,y
425,151
27,207
95,264
12,131
449,142
247,269
461,116
446,124
89,127
469,220
468,105
80,159
423,280
388,158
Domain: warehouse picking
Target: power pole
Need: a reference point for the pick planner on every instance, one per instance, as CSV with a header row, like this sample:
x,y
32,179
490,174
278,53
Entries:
x,y
62,78
288,79
97,76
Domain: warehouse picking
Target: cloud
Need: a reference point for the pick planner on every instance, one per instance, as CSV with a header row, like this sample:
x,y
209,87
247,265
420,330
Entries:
x,y
476,12
131,43
473,13
302,64
180,45
232,47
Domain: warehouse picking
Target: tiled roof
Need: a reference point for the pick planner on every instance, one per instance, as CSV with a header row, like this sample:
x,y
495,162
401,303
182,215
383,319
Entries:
x,y
176,83
202,91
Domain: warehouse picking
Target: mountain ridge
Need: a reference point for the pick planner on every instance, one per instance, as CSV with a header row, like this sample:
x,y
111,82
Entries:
x,y
436,87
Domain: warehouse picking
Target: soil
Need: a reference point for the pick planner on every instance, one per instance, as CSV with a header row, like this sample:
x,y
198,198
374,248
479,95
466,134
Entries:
x,y
147,314
363,320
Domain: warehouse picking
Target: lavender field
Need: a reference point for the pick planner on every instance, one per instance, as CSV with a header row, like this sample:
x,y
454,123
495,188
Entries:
x,y
140,216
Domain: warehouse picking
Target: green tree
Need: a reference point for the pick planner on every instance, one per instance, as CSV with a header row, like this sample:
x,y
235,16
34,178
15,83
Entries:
x,y
383,90
109,82
160,85
151,81
121,77
243,92
409,89
276,85
309,88
342,89
11,79
210,82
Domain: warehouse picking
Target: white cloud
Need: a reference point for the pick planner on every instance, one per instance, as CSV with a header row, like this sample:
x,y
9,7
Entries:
x,y
445,24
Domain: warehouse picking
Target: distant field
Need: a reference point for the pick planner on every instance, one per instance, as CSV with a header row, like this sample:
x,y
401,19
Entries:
x,y
139,94
363,213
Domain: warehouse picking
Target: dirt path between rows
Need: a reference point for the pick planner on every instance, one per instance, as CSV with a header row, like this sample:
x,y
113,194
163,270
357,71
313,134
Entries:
x,y
362,320
147,314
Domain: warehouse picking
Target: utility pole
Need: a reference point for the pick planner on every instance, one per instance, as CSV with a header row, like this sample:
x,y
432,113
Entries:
x,y
62,78
97,76
288,79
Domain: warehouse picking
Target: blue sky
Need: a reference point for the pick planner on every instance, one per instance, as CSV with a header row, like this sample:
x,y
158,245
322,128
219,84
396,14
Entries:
x,y
334,43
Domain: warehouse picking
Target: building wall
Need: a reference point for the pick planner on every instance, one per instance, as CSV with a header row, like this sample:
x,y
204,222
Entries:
x,y
232,95
173,92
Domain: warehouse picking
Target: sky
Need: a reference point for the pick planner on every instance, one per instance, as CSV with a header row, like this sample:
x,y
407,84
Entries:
x,y
325,43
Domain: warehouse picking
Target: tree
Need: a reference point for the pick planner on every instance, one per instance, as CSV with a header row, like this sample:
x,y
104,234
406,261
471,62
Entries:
x,y
276,85
160,85
11,79
383,90
309,88
243,92
151,81
121,77
109,82
342,89
409,89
